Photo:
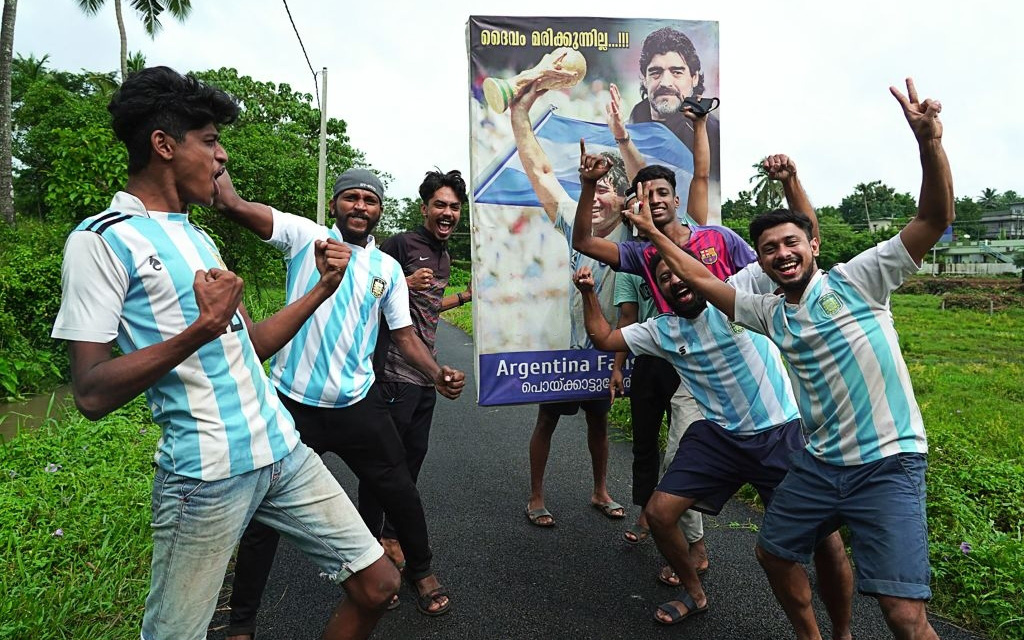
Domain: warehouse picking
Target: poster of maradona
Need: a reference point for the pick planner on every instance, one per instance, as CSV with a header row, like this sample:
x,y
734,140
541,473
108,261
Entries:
x,y
537,87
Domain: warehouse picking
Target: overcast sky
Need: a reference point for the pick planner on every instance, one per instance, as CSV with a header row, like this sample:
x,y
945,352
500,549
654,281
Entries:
x,y
805,78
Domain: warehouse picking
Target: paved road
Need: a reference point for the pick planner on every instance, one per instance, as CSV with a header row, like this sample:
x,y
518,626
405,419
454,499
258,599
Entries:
x,y
510,580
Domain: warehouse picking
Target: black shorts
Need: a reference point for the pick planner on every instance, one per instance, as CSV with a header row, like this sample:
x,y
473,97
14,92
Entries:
x,y
712,463
572,407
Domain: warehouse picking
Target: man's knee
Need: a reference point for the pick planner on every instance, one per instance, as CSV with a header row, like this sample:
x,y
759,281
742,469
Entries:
x,y
662,511
374,586
904,616
771,562
831,550
547,420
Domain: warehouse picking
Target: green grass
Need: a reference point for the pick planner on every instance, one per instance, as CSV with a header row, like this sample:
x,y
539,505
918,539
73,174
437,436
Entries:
x,y
91,582
461,317
967,368
74,512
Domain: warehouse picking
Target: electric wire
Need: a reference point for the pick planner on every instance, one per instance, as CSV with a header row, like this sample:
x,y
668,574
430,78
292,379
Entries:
x,y
308,63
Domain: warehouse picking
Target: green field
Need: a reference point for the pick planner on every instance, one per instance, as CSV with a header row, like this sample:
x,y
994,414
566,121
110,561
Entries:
x,y
74,495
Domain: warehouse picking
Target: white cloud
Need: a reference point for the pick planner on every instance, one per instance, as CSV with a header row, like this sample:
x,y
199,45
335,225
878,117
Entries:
x,y
805,78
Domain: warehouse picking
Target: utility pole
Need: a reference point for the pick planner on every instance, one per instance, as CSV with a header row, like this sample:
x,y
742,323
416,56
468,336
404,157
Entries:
x,y
321,174
864,197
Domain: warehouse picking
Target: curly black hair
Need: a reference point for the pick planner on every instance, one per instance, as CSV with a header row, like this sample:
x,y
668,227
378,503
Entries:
x,y
161,99
434,180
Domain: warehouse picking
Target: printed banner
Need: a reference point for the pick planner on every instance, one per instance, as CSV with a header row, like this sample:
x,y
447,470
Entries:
x,y
539,86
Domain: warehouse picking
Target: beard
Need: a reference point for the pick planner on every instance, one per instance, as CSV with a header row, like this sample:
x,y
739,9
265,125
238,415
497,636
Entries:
x,y
665,102
352,236
798,285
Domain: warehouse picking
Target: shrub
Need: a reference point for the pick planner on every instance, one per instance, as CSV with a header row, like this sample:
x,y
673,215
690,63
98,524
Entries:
x,y
30,285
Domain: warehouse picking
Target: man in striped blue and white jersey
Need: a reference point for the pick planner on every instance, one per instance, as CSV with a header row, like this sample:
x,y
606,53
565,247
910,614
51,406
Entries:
x,y
750,427
142,274
865,460
325,378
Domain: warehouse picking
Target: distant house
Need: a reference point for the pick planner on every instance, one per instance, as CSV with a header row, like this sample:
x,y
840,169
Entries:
x,y
1007,224
966,255
881,224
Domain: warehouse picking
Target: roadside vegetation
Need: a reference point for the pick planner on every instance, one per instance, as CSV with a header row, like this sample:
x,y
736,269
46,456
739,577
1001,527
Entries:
x,y
74,495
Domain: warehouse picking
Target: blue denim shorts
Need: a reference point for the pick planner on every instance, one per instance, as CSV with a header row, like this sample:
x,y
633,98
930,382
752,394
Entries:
x,y
196,526
882,503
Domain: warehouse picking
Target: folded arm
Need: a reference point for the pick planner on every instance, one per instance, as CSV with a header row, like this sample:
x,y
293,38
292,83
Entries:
x,y
102,383
254,216
592,169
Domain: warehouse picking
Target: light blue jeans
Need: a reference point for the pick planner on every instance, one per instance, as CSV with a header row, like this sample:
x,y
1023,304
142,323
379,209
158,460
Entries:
x,y
196,526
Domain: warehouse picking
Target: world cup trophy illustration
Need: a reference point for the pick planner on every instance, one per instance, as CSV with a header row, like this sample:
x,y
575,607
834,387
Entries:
x,y
560,69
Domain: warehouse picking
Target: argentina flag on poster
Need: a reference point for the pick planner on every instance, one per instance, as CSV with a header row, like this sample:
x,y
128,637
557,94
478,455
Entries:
x,y
506,183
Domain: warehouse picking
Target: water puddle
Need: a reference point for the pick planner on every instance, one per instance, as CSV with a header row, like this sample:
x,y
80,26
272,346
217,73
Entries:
x,y
33,411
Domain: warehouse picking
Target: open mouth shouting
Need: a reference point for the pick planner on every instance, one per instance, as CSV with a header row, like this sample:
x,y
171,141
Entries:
x,y
216,185
682,293
445,226
787,267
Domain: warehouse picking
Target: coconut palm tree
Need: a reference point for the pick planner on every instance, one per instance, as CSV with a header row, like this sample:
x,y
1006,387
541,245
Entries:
x,y
6,169
149,12
767,193
989,198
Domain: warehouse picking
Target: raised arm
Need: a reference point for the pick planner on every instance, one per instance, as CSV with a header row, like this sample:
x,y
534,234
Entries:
x,y
535,160
598,329
253,216
782,168
697,196
684,265
269,335
631,156
592,169
935,211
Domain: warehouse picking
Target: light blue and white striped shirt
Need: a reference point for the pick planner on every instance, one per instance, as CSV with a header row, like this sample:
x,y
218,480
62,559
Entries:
x,y
735,375
853,386
329,362
128,275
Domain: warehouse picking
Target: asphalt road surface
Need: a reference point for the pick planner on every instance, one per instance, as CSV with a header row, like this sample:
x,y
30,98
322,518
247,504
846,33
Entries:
x,y
510,580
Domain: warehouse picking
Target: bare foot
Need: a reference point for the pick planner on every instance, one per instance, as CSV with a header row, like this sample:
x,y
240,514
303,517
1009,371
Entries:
x,y
244,636
393,550
699,556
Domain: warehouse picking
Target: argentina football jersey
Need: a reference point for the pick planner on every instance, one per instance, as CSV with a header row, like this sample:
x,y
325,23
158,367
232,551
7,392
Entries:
x,y
853,387
329,362
735,375
218,413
